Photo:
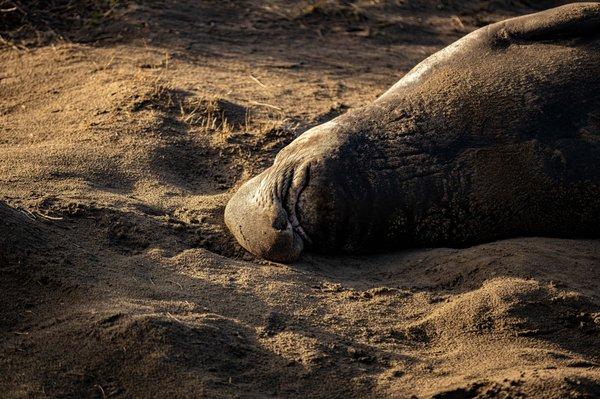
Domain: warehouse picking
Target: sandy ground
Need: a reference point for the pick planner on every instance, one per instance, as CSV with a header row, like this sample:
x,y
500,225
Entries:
x,y
119,147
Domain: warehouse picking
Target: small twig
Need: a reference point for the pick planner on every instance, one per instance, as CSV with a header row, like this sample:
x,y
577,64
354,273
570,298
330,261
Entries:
x,y
174,318
110,61
176,283
266,105
457,19
101,391
109,11
261,84
27,213
48,217
8,9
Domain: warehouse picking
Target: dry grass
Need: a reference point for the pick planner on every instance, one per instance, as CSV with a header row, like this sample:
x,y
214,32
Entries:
x,y
334,9
209,116
319,10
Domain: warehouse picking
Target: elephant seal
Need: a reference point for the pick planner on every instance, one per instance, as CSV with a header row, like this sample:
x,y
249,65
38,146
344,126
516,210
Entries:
x,y
497,135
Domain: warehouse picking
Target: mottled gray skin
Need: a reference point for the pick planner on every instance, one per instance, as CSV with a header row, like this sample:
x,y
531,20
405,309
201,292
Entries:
x,y
497,135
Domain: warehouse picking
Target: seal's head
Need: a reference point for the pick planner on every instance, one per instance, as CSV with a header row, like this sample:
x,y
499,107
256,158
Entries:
x,y
262,215
256,216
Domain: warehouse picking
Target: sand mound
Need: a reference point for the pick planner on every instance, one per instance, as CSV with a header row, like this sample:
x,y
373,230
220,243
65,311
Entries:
x,y
545,387
211,351
20,236
514,307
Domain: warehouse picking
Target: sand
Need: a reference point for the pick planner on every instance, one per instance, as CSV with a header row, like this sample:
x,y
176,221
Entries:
x,y
121,141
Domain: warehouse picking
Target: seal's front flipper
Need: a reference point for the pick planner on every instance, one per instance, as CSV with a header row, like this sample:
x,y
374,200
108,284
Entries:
x,y
569,21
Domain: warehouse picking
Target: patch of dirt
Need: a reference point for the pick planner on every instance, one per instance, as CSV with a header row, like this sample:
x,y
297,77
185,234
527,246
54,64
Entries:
x,y
38,22
125,127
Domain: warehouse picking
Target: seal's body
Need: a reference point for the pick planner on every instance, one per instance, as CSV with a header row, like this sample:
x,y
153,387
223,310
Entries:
x,y
497,135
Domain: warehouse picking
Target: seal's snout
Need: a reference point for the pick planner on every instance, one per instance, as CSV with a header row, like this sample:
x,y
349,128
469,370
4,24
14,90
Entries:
x,y
259,222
